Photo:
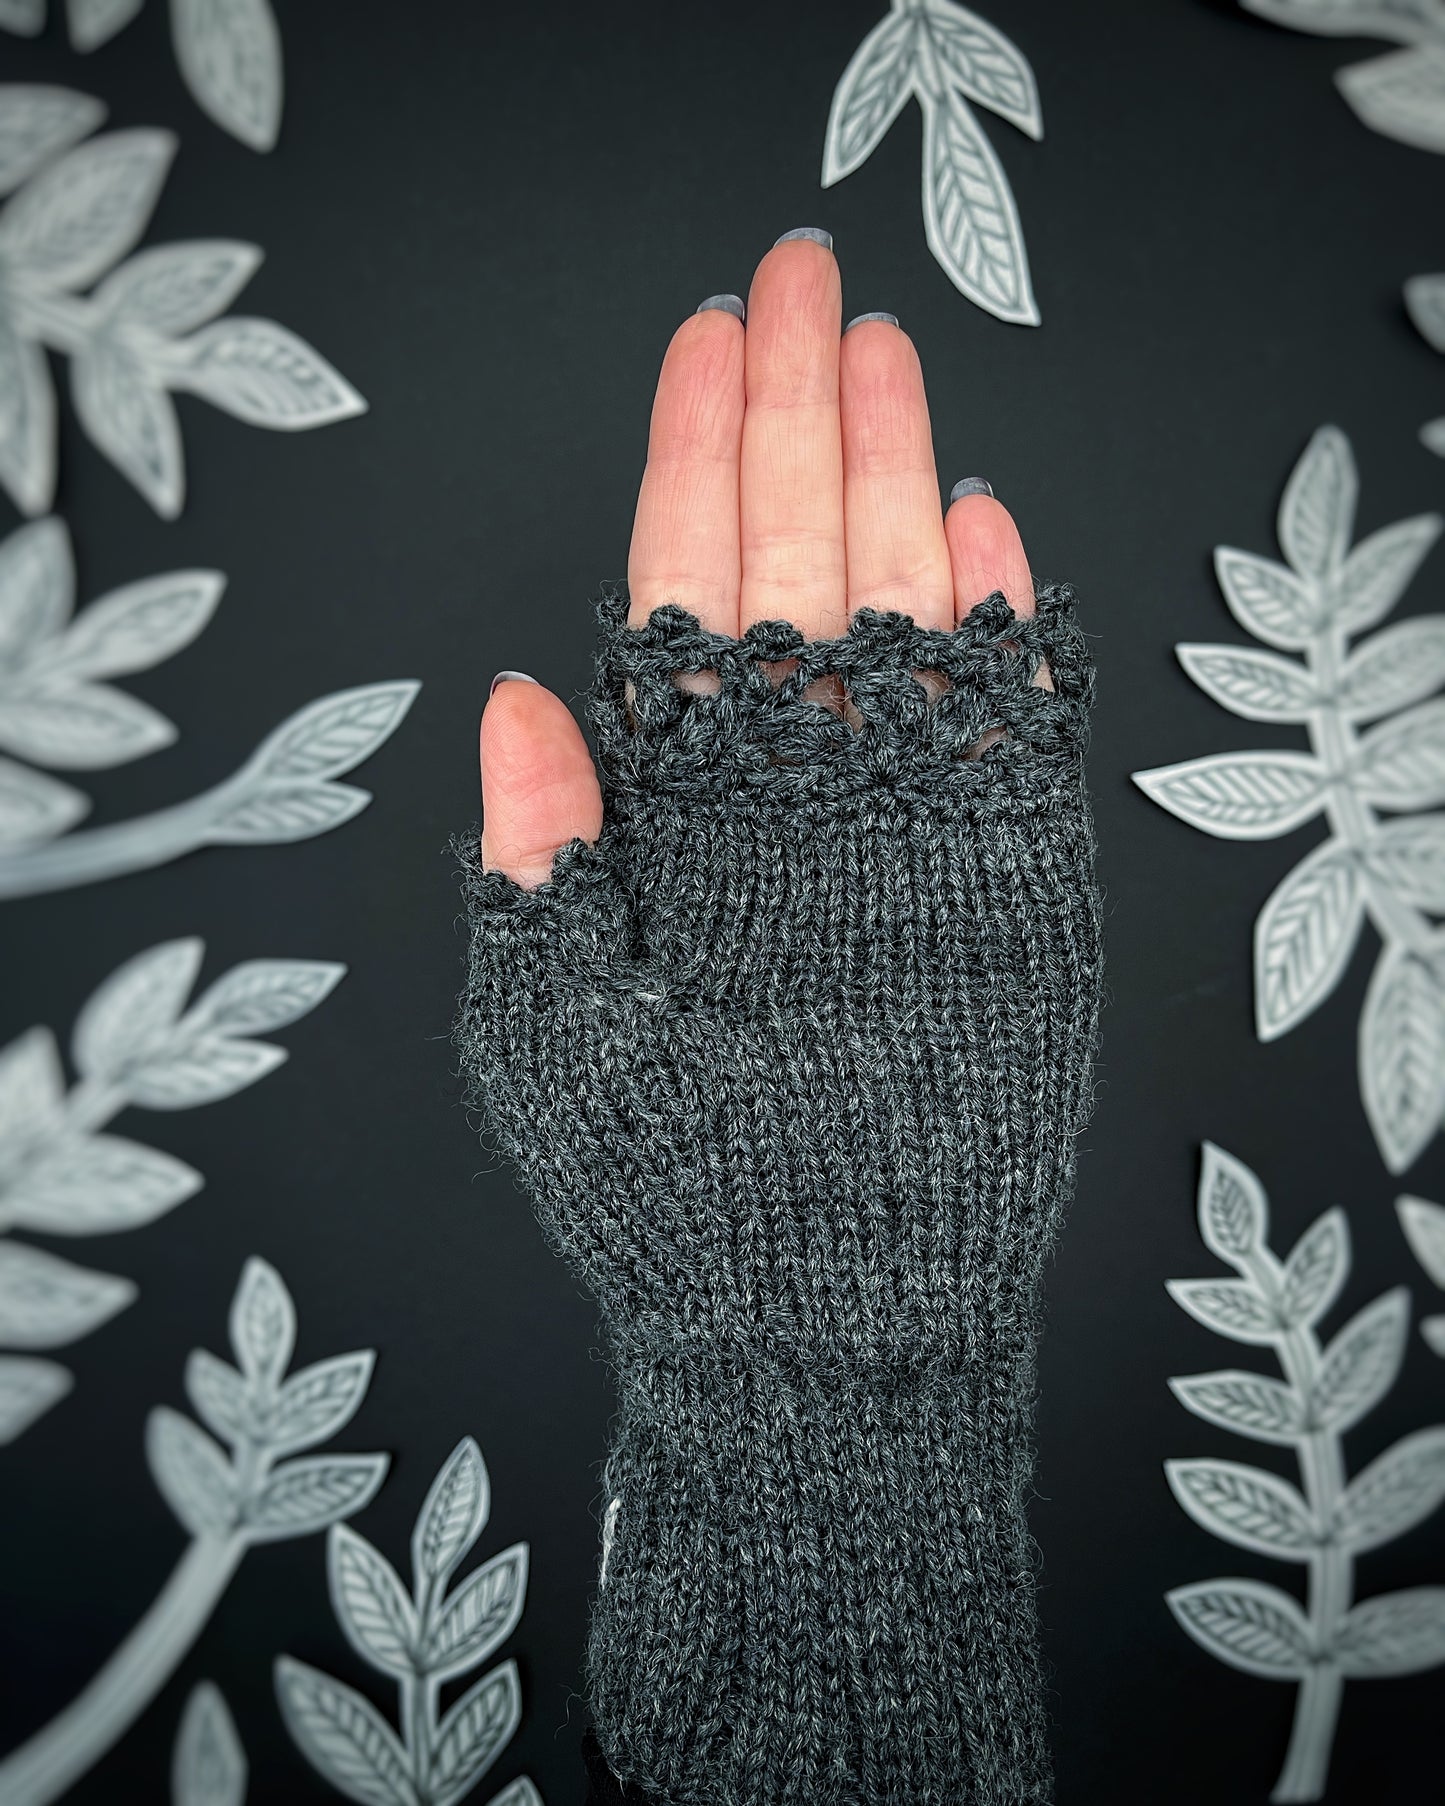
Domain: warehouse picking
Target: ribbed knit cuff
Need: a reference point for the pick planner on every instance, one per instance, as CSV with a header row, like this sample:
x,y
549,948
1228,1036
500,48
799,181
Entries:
x,y
791,1061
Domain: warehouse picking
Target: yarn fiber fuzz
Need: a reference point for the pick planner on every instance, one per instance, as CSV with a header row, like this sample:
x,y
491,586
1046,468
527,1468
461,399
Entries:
x,y
791,1061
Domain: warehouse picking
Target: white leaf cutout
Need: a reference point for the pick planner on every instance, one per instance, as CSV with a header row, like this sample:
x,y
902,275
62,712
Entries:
x,y
1378,571
1267,599
1408,858
1402,1055
96,1185
46,1302
1396,1633
1257,685
474,1733
1395,667
132,420
1245,1505
28,1388
1249,1403
478,1617
173,289
81,727
453,1514
970,219
229,52
1361,1364
873,90
35,808
1402,19
262,1323
192,1473
1240,796
1401,95
1316,1270
1233,1209
138,1004
1317,512
1304,937
1247,1624
313,1492
1396,1492
37,588
78,216
38,123
343,1736
94,22
27,422
265,375
1424,1226
371,1604
985,65
208,1766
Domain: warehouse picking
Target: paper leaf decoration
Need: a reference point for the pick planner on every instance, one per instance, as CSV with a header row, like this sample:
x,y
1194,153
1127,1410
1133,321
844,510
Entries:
x,y
228,51
56,709
208,1766
229,1490
149,328
135,1045
1425,303
950,60
1424,1226
1390,872
1401,94
1325,1522
420,1637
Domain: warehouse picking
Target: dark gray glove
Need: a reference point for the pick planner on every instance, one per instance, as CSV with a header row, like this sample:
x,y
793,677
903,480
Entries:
x,y
791,1061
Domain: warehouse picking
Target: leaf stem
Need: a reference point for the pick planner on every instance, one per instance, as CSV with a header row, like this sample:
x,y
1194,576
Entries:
x,y
1331,1568
75,1739
94,854
1354,822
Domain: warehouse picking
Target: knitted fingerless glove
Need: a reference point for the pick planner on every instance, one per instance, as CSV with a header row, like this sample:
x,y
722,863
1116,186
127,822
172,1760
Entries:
x,y
791,1060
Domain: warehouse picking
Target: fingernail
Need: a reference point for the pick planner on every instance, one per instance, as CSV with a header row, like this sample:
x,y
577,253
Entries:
x,y
502,676
816,233
728,304
970,486
858,320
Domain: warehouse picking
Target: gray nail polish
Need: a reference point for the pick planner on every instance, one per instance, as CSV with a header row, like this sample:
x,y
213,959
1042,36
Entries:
x,y
816,233
501,677
858,320
970,486
728,304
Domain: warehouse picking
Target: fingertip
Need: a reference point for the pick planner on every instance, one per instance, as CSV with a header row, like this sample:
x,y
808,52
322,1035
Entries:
x,y
539,785
986,551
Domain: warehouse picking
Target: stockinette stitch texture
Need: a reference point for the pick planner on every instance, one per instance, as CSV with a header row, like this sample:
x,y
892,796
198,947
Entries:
x,y
791,1061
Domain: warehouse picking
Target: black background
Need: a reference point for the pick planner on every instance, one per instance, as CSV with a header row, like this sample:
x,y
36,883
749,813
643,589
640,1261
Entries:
x,y
491,221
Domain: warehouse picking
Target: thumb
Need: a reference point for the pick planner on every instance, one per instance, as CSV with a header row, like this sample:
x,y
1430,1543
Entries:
x,y
539,786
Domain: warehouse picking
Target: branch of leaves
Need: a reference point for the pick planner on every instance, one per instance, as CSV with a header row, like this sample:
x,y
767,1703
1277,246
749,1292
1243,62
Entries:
x,y
421,1636
228,1501
1401,94
1425,303
134,1044
1277,1304
286,791
946,56
1424,1227
1394,872
229,53
147,329
263,1415
54,710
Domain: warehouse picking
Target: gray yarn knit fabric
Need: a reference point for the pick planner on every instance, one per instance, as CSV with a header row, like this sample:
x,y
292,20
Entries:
x,y
791,1061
